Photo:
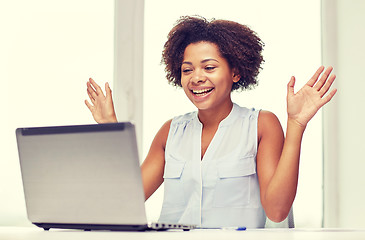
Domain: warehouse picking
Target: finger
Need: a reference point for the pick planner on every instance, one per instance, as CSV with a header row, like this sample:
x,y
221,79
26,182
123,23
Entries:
x,y
290,86
89,86
323,78
97,87
314,78
89,106
108,91
90,89
92,94
328,98
327,85
91,98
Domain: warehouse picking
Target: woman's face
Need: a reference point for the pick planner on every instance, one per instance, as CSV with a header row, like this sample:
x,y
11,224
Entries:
x,y
206,76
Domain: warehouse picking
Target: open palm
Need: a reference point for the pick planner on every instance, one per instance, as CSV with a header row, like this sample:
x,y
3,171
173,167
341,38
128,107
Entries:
x,y
304,104
101,106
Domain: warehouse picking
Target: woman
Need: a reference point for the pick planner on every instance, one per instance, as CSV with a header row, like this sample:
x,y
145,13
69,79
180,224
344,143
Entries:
x,y
224,165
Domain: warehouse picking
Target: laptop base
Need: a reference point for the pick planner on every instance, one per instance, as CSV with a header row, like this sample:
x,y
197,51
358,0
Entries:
x,y
89,227
111,227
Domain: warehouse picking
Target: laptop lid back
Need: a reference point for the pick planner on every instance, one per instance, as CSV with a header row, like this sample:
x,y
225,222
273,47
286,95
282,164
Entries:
x,y
84,174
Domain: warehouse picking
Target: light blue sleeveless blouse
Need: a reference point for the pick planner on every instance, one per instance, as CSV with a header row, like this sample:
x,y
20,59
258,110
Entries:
x,y
222,189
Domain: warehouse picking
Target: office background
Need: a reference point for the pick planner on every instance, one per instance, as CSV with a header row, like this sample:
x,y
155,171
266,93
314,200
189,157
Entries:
x,y
50,48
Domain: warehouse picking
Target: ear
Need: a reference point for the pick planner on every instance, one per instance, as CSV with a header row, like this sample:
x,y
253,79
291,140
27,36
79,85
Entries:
x,y
235,76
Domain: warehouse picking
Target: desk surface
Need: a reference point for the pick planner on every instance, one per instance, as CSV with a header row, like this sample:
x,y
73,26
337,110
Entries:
x,y
34,233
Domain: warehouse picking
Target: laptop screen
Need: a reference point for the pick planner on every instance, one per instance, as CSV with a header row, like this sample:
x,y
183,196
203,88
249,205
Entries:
x,y
86,174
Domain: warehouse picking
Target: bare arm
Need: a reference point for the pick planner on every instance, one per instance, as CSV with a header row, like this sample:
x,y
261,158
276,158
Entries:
x,y
278,165
278,158
153,165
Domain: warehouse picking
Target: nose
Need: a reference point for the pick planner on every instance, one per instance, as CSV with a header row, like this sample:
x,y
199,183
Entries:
x,y
198,77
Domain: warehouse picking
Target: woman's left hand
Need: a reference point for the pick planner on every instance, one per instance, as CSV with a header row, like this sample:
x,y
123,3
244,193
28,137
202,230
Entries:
x,y
304,104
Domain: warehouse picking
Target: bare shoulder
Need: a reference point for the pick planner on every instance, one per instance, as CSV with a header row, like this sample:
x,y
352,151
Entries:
x,y
163,133
159,143
166,126
268,122
267,117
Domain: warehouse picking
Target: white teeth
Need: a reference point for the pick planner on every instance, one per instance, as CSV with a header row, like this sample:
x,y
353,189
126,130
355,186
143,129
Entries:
x,y
201,91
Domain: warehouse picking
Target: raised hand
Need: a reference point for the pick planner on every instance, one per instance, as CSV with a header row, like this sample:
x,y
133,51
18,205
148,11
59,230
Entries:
x,y
304,104
101,106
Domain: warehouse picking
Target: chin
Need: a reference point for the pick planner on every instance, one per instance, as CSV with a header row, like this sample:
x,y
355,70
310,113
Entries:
x,y
203,106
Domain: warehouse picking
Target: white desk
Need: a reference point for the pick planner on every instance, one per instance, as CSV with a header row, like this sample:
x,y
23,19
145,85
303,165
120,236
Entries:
x,y
34,233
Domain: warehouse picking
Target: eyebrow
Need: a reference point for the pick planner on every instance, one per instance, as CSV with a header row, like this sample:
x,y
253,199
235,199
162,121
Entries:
x,y
203,61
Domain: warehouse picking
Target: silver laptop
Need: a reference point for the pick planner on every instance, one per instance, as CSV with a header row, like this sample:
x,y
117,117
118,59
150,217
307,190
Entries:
x,y
84,177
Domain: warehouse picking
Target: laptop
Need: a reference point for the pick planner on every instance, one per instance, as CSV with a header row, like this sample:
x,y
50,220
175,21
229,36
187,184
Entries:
x,y
84,177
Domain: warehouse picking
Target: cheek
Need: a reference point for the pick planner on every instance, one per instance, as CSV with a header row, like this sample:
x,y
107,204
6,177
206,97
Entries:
x,y
184,85
226,83
185,88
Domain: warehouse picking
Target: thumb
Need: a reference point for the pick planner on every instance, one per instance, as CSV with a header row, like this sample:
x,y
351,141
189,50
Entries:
x,y
291,86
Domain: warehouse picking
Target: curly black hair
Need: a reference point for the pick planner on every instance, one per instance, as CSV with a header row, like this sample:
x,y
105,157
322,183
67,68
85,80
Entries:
x,y
238,44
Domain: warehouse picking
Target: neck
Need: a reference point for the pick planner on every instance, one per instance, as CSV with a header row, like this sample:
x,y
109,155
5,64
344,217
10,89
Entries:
x,y
212,117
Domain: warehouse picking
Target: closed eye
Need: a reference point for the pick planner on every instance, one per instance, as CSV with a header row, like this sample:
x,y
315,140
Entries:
x,y
186,70
210,68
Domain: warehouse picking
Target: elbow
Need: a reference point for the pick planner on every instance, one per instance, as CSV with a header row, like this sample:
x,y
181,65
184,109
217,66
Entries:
x,y
277,211
278,215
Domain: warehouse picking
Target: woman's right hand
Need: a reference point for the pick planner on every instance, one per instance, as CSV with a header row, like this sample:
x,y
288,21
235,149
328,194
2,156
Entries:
x,y
101,107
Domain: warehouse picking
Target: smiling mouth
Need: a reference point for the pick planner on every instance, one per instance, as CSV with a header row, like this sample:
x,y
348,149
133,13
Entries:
x,y
202,92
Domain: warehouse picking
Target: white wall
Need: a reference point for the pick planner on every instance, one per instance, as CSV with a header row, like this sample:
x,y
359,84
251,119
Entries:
x,y
48,50
343,47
